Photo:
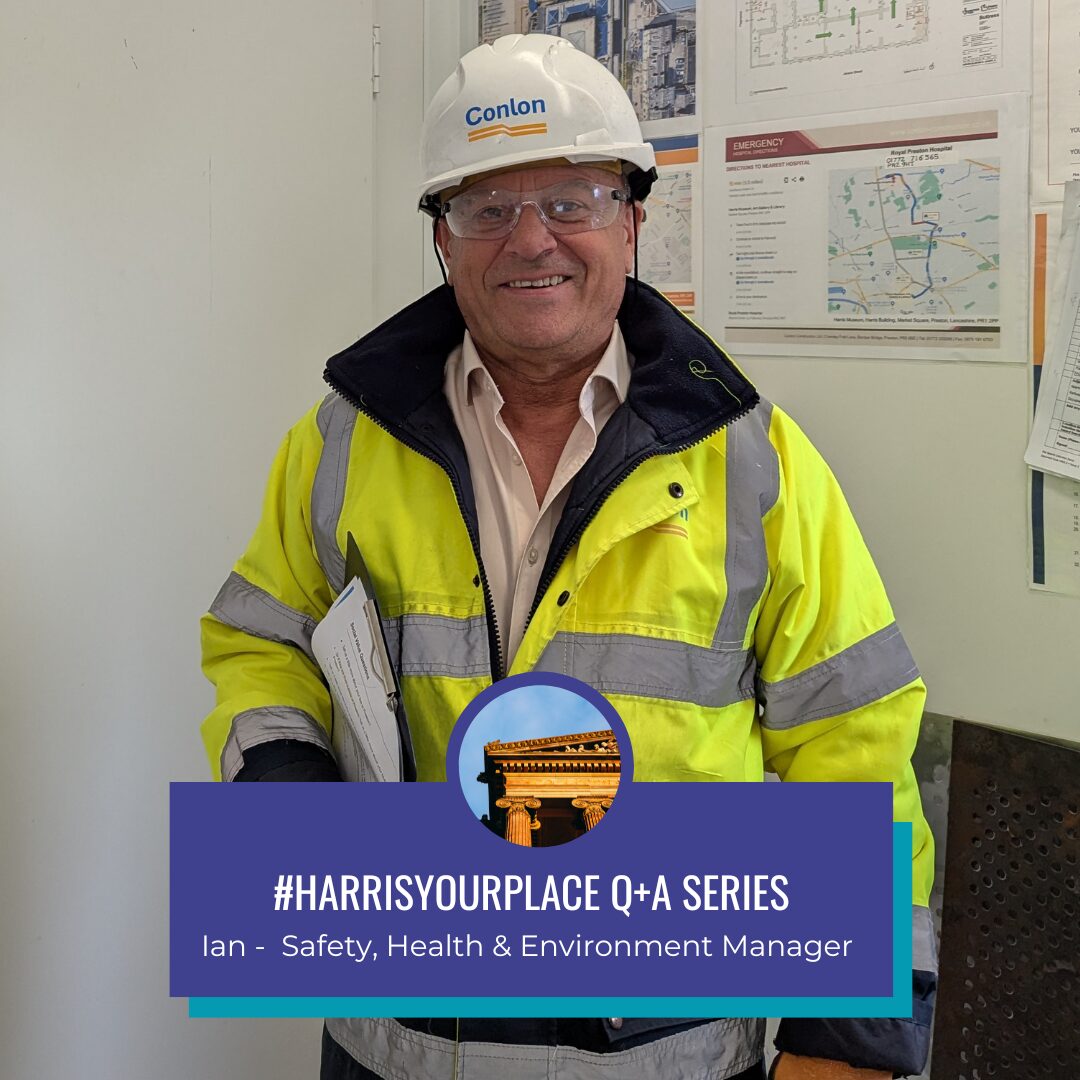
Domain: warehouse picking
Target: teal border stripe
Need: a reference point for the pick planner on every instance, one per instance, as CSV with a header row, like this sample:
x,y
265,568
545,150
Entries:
x,y
897,1005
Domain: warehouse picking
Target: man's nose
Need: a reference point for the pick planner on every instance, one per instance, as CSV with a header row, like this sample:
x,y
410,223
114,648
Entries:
x,y
531,238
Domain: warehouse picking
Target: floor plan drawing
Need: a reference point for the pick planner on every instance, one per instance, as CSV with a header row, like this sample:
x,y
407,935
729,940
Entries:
x,y
793,31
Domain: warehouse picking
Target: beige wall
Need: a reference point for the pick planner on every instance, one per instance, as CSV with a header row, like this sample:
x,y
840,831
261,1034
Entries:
x,y
185,236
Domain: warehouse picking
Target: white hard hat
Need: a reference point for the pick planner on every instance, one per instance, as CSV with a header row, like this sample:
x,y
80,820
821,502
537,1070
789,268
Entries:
x,y
528,98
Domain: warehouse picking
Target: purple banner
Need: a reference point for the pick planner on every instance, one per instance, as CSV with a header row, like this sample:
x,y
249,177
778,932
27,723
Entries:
x,y
398,890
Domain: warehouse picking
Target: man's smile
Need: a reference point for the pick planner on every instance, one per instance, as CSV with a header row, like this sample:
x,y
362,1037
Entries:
x,y
537,283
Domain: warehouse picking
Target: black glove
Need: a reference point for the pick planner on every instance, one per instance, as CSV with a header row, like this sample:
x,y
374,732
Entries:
x,y
288,760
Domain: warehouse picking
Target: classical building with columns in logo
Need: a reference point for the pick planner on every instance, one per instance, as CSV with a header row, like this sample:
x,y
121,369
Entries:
x,y
543,792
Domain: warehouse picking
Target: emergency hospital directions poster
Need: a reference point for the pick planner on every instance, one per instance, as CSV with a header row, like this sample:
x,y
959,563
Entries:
x,y
873,234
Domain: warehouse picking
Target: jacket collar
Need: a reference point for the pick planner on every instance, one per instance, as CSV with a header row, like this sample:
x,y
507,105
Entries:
x,y
684,386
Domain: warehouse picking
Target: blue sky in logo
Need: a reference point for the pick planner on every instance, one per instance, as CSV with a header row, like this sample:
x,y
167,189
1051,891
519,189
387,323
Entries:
x,y
528,712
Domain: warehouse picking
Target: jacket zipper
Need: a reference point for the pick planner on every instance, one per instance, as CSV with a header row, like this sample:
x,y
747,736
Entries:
x,y
574,537
494,639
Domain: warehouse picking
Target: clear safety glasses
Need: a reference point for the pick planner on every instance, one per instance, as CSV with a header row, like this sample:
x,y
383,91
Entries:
x,y
482,212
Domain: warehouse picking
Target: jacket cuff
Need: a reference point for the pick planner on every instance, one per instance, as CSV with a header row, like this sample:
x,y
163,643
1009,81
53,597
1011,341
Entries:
x,y
287,760
900,1045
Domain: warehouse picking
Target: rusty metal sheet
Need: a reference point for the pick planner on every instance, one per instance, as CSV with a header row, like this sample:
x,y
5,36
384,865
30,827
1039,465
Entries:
x,y
1009,1000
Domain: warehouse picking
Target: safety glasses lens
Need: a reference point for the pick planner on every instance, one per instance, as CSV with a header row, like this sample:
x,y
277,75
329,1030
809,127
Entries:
x,y
573,206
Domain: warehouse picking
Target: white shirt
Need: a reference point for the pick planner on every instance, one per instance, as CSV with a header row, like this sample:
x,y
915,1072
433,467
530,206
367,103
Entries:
x,y
516,532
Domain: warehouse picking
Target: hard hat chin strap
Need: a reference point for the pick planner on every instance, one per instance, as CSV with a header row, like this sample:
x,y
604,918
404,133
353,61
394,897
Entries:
x,y
435,245
633,214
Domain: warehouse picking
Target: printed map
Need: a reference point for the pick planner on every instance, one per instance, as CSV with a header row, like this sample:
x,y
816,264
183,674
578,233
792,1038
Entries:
x,y
790,31
915,241
665,253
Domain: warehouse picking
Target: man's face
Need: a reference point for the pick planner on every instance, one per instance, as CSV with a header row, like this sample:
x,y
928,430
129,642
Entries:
x,y
566,321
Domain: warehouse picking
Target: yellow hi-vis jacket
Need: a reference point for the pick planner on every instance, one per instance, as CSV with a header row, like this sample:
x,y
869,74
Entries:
x,y
706,576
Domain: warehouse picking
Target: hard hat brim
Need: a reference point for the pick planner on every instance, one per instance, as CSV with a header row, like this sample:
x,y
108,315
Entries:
x,y
640,155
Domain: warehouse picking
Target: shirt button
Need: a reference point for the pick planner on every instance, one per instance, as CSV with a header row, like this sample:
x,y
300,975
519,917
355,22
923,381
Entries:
x,y
615,1022
532,556
517,460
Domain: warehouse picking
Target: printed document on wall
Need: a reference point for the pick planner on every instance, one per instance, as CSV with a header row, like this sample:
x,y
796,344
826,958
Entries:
x,y
669,252
1058,538
498,17
1055,104
875,235
1054,446
1054,521
795,56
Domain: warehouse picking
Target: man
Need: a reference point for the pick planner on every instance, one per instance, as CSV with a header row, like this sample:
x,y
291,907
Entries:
x,y
546,466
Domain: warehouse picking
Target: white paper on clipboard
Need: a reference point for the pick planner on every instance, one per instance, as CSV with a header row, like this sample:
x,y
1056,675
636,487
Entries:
x,y
348,645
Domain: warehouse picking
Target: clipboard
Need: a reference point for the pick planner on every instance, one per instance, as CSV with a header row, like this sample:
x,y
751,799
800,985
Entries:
x,y
356,568
370,735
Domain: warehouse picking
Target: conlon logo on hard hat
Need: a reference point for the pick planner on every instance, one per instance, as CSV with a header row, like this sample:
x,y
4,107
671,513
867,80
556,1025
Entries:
x,y
487,114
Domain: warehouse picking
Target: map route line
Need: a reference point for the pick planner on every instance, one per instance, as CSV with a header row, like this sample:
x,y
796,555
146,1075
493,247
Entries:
x,y
935,228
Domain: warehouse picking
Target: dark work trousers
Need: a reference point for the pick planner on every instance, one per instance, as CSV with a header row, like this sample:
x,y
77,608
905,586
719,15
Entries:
x,y
339,1064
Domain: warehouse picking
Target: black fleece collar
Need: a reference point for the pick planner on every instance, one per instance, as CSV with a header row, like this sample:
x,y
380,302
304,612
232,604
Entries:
x,y
683,386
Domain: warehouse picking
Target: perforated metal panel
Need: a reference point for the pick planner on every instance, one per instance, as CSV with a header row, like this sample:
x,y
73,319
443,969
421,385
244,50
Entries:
x,y
1009,999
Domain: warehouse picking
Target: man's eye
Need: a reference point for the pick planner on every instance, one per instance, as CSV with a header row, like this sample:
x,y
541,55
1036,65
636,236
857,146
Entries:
x,y
568,207
491,215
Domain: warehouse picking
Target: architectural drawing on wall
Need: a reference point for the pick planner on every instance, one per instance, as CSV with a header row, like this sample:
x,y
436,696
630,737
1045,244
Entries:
x,y
590,25
649,45
797,57
660,49
794,31
915,241
668,253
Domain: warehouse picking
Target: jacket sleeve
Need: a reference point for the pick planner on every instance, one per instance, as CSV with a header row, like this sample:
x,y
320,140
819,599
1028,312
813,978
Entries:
x,y
273,716
841,699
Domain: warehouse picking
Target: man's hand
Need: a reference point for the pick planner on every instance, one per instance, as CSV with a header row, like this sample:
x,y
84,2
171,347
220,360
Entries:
x,y
792,1067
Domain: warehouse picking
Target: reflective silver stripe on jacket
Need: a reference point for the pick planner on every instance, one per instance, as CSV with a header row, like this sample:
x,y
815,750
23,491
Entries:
x,y
923,940
438,645
336,419
247,607
652,667
752,486
864,672
708,1052
256,726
